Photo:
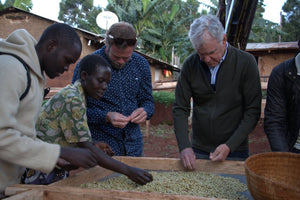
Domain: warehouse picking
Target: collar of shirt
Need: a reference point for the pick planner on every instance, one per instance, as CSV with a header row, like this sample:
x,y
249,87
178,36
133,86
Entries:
x,y
297,62
214,70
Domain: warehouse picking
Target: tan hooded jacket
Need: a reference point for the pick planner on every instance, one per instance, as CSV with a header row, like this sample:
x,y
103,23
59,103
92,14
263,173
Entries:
x,y
19,146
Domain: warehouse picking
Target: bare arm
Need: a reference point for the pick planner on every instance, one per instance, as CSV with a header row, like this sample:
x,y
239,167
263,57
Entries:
x,y
79,157
137,175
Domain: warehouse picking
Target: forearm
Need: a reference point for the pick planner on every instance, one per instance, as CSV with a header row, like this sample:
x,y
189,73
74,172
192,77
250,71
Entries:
x,y
27,152
275,121
145,97
181,111
149,108
96,116
251,108
275,128
241,134
104,160
181,128
147,103
277,140
247,124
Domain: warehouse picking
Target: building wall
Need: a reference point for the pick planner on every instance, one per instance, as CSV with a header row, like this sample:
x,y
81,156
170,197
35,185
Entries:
x,y
266,63
269,55
19,20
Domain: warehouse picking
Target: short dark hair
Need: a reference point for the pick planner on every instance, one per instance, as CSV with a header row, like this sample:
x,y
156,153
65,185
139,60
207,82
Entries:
x,y
64,34
90,63
123,30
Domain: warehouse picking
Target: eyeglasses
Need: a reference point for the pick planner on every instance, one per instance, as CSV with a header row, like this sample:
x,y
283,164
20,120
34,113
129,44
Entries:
x,y
120,41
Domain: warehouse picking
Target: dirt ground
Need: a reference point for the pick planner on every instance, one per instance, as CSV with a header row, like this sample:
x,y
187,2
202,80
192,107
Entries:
x,y
161,141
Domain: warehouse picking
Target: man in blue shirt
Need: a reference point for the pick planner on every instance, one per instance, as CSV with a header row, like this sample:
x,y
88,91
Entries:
x,y
128,101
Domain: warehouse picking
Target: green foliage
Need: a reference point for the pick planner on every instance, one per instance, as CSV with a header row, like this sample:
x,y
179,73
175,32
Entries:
x,y
74,12
161,25
164,97
21,4
263,30
44,101
81,14
291,20
266,31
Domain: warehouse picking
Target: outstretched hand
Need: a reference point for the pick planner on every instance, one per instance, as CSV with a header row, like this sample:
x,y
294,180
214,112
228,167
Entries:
x,y
139,176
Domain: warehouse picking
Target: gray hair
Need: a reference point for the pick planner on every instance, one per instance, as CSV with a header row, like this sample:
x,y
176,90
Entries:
x,y
205,23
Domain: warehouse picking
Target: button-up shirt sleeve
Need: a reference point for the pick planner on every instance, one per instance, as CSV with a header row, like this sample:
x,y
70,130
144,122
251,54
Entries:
x,y
145,98
94,113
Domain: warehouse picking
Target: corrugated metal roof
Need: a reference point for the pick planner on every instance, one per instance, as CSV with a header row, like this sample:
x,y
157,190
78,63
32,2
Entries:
x,y
271,46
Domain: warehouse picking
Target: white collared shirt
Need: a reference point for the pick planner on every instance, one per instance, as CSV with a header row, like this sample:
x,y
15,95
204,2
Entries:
x,y
297,61
214,70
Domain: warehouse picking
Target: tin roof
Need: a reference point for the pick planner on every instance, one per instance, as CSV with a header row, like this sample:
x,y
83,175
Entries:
x,y
271,46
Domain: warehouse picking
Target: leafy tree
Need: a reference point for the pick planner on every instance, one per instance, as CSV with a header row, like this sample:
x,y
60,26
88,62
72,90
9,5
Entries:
x,y
267,31
90,23
173,21
212,9
291,20
161,25
136,12
74,12
79,13
21,4
2,6
159,40
189,11
263,30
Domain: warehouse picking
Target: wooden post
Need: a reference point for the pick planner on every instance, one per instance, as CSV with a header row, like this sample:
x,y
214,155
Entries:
x,y
147,128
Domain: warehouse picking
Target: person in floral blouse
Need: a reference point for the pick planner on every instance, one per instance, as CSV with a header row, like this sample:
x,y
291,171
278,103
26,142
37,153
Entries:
x,y
63,121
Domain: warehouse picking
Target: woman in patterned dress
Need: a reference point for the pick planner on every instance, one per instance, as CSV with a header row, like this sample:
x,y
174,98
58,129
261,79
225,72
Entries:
x,y
63,121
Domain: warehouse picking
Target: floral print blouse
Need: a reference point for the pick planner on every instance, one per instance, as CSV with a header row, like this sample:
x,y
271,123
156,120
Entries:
x,y
63,118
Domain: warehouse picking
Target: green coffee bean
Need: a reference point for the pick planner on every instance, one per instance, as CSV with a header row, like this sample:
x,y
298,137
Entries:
x,y
199,184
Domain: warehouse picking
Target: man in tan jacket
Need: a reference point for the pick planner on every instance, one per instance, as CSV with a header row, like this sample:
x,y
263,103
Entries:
x,y
58,47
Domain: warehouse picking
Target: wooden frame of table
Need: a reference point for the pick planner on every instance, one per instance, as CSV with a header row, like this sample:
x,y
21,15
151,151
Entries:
x,y
69,188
